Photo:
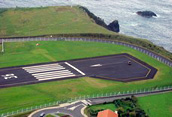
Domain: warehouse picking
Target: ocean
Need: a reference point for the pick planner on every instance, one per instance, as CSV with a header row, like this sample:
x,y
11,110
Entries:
x,y
156,29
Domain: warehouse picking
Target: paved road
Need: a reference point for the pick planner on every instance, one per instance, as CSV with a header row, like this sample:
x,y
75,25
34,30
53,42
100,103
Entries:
x,y
75,108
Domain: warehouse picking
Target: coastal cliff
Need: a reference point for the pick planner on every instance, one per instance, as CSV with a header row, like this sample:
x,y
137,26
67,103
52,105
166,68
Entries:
x,y
113,26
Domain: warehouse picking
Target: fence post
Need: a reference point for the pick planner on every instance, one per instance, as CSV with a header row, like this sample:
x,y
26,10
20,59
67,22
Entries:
x,y
2,46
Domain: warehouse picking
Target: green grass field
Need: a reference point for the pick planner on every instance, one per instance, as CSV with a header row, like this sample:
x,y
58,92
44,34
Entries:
x,y
104,107
47,20
157,105
30,95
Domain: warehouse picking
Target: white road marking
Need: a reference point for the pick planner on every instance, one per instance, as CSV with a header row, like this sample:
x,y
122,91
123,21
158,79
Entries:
x,y
73,108
86,102
75,68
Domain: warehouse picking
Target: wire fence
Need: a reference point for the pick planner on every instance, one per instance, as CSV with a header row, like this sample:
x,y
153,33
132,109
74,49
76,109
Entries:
x,y
141,49
100,95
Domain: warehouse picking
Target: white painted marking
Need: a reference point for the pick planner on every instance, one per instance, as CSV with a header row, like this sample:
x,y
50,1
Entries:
x,y
73,108
9,76
51,72
86,102
56,77
47,65
43,67
75,68
52,75
43,70
96,65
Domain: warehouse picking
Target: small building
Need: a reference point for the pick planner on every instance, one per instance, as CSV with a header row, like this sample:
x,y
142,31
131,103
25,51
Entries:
x,y
107,113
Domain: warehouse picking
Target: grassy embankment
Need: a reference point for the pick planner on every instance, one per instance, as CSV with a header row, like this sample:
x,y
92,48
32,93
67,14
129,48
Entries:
x,y
46,20
30,95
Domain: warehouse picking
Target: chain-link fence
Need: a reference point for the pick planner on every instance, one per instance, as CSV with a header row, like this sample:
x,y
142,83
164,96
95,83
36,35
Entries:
x,y
141,49
100,95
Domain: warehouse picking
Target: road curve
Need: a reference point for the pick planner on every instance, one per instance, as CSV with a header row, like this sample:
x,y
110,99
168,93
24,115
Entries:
x,y
75,109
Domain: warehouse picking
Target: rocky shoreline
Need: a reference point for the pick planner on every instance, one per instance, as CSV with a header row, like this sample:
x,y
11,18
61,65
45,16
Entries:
x,y
113,26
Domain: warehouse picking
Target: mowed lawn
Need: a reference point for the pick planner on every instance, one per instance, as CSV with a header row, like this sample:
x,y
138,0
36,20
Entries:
x,y
157,105
47,20
30,95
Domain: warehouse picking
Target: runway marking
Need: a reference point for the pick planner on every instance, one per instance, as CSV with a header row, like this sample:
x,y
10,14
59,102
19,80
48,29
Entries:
x,y
47,65
52,72
74,68
8,76
51,75
57,77
43,68
48,72
50,67
96,65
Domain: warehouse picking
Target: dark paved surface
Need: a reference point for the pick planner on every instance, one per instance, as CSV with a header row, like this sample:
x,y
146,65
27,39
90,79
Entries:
x,y
113,67
20,77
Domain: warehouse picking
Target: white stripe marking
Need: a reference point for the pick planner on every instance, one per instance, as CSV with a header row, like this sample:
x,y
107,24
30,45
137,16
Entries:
x,y
47,65
75,68
56,77
43,67
51,72
51,75
42,70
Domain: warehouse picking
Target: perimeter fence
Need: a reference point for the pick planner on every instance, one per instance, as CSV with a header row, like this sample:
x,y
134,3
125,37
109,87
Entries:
x,y
152,54
94,96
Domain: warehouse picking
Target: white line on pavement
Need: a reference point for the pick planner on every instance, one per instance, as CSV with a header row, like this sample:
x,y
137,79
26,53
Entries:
x,y
52,75
75,68
42,70
47,65
51,72
56,77
43,67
